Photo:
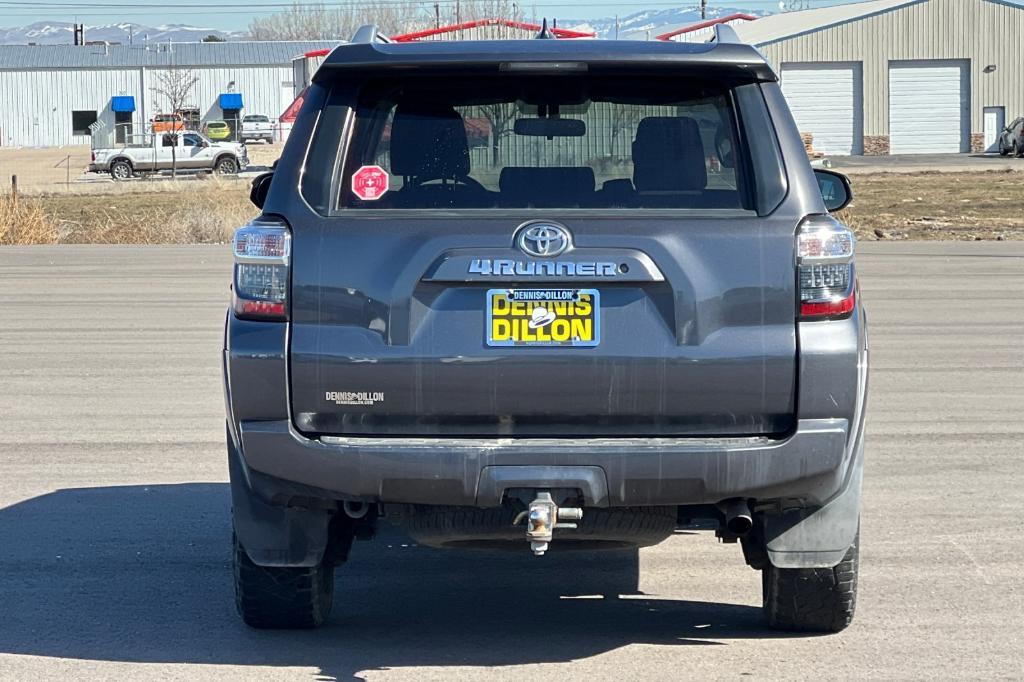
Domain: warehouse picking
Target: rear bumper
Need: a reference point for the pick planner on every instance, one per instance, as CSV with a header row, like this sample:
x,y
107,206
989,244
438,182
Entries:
x,y
815,474
811,466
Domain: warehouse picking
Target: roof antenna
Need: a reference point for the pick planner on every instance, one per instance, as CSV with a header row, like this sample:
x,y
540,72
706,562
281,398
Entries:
x,y
545,32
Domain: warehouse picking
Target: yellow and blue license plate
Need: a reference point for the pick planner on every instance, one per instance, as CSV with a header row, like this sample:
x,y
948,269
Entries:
x,y
543,317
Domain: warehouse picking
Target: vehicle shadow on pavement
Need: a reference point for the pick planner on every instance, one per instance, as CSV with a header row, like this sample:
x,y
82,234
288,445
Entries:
x,y
142,574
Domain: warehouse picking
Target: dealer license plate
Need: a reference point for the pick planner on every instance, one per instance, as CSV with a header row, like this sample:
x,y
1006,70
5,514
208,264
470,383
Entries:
x,y
543,317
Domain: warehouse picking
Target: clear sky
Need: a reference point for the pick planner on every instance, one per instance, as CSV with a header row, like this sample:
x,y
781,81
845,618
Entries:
x,y
235,14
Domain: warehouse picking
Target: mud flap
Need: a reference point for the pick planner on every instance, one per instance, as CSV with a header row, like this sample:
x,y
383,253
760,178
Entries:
x,y
817,538
274,535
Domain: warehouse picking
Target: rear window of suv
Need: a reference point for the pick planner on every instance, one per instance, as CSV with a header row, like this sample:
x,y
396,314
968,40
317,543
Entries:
x,y
584,141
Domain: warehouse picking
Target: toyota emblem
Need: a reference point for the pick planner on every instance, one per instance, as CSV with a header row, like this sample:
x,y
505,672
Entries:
x,y
544,240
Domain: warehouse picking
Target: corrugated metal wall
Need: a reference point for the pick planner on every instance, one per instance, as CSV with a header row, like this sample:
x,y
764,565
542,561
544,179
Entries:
x,y
36,105
303,69
983,32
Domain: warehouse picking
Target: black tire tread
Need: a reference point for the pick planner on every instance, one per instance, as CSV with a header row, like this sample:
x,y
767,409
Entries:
x,y
281,597
812,599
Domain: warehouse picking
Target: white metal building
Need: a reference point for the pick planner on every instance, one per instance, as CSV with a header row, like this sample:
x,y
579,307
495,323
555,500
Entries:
x,y
898,76
51,94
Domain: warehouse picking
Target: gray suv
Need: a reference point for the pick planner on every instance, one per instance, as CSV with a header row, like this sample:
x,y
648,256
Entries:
x,y
546,295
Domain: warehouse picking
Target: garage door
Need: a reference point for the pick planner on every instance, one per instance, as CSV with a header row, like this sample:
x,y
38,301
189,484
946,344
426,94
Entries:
x,y
826,101
928,107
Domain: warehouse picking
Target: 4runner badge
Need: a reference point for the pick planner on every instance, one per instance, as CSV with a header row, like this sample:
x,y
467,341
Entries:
x,y
542,240
354,397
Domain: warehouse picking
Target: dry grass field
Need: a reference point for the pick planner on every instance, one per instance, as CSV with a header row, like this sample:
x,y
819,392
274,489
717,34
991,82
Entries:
x,y
42,170
173,213
93,209
931,205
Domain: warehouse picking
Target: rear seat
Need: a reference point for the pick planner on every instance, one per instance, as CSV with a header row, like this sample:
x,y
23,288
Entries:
x,y
555,187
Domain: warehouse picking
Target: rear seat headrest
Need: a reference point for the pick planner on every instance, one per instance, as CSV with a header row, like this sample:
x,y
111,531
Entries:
x,y
668,155
429,143
560,186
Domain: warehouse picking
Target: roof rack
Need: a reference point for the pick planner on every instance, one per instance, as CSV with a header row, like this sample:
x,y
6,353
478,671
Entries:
x,y
726,34
367,34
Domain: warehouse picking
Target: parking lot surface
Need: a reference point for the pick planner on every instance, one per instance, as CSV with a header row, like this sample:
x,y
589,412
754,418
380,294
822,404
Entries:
x,y
114,511
915,163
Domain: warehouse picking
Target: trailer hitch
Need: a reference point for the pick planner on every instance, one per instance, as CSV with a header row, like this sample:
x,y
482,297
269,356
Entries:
x,y
543,517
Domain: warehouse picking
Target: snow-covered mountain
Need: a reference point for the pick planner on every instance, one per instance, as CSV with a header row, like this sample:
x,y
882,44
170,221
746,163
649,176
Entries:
x,y
638,25
654,22
62,32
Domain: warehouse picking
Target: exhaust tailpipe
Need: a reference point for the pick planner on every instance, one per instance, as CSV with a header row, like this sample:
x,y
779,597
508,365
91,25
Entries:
x,y
355,510
738,518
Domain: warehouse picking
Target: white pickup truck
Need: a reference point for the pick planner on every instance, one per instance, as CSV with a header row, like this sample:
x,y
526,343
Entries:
x,y
257,127
187,151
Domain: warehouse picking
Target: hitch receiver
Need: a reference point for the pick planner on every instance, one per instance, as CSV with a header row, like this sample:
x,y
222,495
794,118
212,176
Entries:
x,y
543,517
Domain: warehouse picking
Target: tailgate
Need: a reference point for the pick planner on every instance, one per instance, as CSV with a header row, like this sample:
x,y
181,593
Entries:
x,y
697,337
579,254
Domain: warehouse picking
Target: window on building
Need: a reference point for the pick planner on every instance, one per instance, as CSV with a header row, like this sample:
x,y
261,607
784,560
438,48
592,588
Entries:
x,y
80,122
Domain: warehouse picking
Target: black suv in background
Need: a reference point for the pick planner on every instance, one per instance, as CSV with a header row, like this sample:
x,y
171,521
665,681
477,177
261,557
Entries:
x,y
546,295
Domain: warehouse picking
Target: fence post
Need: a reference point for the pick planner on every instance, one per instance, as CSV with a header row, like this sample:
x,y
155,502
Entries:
x,y
14,188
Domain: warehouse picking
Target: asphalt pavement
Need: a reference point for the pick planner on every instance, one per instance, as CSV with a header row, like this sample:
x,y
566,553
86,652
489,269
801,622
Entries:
x,y
114,511
917,163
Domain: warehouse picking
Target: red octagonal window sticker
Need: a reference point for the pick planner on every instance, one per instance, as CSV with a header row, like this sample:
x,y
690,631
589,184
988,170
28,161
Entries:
x,y
369,183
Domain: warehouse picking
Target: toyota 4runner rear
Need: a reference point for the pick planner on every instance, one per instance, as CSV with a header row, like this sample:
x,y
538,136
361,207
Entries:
x,y
546,295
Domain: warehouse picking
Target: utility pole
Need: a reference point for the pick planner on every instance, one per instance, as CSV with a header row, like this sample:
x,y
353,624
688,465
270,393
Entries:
x,y
703,9
616,26
458,13
437,15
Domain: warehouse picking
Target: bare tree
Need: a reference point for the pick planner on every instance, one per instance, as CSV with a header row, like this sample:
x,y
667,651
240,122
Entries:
x,y
474,10
318,22
175,87
623,118
500,116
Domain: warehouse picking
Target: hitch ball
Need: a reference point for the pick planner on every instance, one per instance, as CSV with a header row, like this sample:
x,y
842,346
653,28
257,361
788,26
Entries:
x,y
543,517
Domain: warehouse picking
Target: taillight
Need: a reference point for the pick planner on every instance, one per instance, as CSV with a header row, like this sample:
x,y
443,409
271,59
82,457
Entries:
x,y
263,250
828,286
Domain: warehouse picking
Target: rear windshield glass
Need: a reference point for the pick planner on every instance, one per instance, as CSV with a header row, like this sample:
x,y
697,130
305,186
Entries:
x,y
543,142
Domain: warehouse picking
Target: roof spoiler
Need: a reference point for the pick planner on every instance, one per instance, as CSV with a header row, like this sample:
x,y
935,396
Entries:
x,y
369,34
725,34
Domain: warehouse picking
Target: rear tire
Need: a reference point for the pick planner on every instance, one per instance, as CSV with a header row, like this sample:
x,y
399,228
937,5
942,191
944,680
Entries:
x,y
226,166
282,597
1018,150
121,170
811,599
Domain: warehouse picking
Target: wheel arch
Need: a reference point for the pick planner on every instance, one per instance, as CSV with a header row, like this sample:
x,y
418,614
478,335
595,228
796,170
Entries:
x,y
227,155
